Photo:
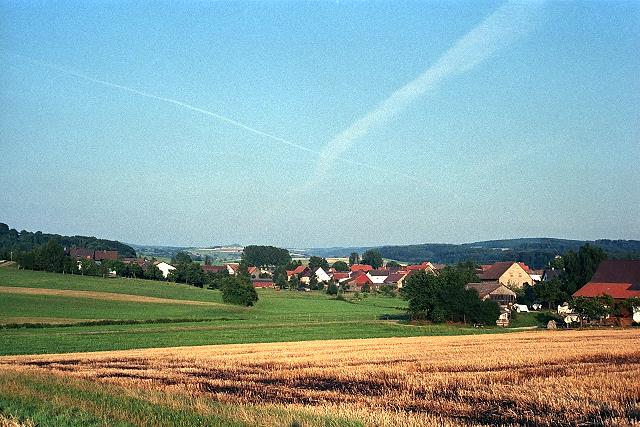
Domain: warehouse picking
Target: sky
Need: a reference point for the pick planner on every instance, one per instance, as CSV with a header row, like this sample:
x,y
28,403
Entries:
x,y
316,124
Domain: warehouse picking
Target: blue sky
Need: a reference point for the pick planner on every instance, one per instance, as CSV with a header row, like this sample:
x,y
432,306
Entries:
x,y
536,136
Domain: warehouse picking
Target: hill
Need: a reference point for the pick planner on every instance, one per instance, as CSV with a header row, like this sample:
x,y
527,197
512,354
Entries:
x,y
12,240
536,252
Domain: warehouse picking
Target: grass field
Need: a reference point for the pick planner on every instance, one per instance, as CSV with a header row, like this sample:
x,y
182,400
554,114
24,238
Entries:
x,y
559,378
79,313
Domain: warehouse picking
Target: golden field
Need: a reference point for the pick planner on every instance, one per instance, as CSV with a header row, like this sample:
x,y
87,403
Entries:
x,y
589,377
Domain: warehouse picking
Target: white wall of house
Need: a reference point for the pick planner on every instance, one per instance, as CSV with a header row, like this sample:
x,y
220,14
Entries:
x,y
322,275
377,280
165,268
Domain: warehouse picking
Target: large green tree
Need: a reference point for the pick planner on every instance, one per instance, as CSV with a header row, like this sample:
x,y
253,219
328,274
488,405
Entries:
x,y
316,262
354,258
373,258
579,267
238,290
265,256
340,266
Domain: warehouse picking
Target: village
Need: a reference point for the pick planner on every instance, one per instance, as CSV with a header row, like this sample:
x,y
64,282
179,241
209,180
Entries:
x,y
504,282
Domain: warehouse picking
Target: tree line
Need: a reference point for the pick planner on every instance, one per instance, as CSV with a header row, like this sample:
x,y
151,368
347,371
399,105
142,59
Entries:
x,y
13,242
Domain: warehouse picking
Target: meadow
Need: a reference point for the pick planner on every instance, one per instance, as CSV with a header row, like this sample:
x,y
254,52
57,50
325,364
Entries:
x,y
553,378
54,313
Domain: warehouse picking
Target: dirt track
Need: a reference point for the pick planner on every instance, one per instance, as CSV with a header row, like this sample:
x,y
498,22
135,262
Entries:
x,y
109,296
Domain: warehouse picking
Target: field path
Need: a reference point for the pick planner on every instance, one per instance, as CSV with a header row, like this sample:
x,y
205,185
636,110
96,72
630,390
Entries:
x,y
109,296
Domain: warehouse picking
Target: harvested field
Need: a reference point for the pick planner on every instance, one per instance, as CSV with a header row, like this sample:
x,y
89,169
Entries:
x,y
108,296
529,378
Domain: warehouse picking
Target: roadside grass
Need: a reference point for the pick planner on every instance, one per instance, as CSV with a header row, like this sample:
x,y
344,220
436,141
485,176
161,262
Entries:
x,y
78,402
533,318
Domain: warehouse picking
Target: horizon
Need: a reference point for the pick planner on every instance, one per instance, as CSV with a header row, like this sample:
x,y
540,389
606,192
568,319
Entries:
x,y
317,125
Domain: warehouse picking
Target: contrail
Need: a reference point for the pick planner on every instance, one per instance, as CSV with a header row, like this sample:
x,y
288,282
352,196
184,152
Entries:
x,y
198,110
497,31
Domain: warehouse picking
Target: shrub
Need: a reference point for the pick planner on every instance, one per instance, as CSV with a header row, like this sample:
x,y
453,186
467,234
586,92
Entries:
x,y
238,290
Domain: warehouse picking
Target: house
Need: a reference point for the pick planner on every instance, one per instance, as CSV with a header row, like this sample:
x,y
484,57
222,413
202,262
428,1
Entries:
x,y
105,255
262,283
322,275
494,291
340,276
81,253
214,269
299,270
620,279
232,268
395,279
357,283
507,273
536,275
164,268
378,276
424,266
550,274
361,267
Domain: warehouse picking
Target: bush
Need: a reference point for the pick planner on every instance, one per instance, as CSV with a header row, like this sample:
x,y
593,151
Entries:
x,y
332,289
239,291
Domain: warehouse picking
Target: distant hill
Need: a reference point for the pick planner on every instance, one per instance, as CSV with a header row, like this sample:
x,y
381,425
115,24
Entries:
x,y
15,241
535,252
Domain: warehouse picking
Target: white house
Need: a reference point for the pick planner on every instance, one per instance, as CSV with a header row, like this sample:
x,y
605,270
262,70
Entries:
x,y
322,275
378,276
165,268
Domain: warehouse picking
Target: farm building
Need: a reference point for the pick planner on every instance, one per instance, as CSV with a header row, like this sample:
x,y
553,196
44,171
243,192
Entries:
x,y
619,279
494,291
506,273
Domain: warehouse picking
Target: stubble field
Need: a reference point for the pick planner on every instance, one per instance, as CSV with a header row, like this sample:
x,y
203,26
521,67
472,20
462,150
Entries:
x,y
529,378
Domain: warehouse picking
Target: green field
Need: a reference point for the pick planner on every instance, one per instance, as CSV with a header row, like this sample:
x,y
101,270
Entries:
x,y
55,324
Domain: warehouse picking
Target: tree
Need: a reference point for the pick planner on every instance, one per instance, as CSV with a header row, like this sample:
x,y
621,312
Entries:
x,y
294,282
207,260
340,266
291,265
445,298
265,256
550,292
592,308
316,262
393,264
373,258
152,272
238,290
181,258
579,267
313,282
354,258
281,281
332,289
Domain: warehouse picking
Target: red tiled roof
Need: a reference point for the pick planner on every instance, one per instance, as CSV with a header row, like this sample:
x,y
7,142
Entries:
x,y
361,267
340,275
422,266
262,283
299,269
524,266
214,268
615,290
361,280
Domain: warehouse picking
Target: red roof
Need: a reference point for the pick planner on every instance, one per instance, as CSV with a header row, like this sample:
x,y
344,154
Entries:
x,y
103,255
361,267
615,290
299,269
422,266
340,275
262,283
524,266
361,280
214,268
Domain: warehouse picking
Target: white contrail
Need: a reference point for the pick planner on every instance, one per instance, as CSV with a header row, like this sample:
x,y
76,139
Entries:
x,y
198,110
497,31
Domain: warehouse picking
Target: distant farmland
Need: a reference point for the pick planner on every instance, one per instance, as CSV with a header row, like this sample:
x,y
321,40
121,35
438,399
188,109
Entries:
x,y
530,378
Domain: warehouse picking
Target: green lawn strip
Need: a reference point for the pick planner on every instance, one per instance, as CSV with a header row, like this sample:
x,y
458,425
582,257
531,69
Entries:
x,y
41,279
25,305
122,337
49,400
